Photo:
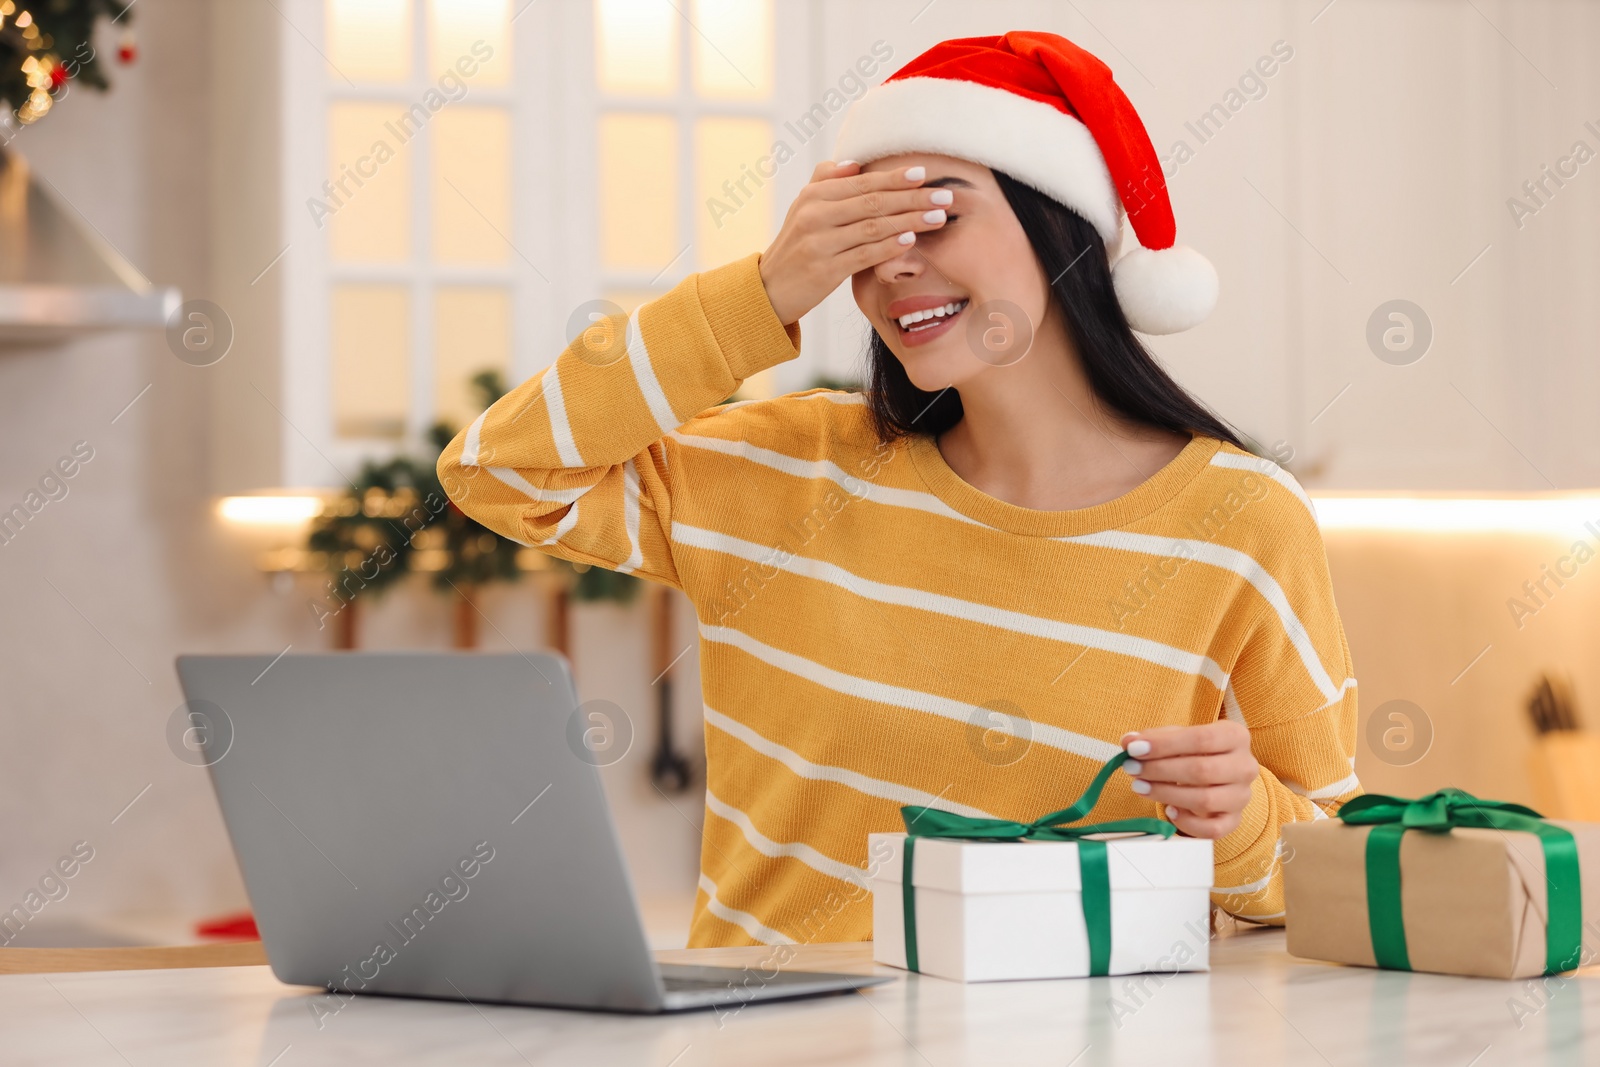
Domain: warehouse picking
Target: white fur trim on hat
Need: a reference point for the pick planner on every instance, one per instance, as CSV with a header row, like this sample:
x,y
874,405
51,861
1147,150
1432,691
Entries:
x,y
1165,291
1028,139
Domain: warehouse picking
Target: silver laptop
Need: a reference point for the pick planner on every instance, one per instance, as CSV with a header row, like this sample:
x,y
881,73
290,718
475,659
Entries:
x,y
432,825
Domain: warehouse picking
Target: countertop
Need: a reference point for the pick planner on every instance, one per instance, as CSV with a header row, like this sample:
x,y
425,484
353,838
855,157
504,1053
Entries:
x,y
1256,1005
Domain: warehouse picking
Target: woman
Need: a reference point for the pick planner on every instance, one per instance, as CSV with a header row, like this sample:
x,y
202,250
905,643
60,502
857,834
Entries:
x,y
1020,550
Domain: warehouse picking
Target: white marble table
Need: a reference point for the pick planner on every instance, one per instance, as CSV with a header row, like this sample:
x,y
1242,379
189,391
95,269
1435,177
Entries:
x,y
1256,1006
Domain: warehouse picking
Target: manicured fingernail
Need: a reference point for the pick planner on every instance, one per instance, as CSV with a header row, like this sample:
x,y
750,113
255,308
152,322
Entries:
x,y
1141,786
916,174
1172,812
908,238
1132,766
936,215
942,196
845,163
1138,748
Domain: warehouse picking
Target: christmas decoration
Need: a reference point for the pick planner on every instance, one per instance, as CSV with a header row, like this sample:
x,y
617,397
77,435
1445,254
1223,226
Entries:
x,y
474,555
1049,114
364,542
396,519
48,44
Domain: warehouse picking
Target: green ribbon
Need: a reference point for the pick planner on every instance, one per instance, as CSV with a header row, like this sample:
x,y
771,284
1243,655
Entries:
x,y
1093,866
1440,812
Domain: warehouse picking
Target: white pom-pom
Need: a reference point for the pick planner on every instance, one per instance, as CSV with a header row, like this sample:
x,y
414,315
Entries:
x,y
1165,291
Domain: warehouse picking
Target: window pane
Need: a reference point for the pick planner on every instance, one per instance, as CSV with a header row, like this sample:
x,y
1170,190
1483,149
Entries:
x,y
476,34
472,333
734,198
733,48
371,329
370,40
636,47
471,185
638,191
371,176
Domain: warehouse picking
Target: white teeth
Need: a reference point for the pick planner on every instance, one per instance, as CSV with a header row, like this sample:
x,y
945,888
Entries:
x,y
908,321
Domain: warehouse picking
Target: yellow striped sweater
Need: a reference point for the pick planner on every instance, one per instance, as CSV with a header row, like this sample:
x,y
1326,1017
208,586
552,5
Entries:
x,y
875,632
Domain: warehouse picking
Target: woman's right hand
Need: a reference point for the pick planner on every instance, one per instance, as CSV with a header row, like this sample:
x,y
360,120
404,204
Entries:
x,y
843,222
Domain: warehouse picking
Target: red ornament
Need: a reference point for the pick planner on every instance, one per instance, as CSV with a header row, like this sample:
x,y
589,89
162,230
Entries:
x,y
58,77
127,48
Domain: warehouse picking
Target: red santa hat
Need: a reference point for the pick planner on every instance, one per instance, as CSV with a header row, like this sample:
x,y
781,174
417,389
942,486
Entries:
x,y
1049,114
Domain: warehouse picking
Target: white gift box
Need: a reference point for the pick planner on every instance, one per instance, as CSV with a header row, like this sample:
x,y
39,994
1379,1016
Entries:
x,y
995,910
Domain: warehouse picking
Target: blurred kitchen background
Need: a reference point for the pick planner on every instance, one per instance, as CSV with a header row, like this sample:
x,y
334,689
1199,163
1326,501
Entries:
x,y
244,283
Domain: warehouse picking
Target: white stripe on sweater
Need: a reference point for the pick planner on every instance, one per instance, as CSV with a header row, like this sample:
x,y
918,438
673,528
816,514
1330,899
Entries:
x,y
644,373
1262,465
899,696
1243,890
513,478
1240,563
564,527
471,454
555,405
1327,792
797,850
1069,633
742,919
472,445
1349,684
1230,705
630,517
861,783
824,469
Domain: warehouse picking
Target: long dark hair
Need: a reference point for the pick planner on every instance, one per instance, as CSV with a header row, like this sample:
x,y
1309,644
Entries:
x,y
1121,371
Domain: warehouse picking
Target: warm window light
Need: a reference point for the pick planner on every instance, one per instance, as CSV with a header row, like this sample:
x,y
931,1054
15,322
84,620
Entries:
x,y
369,40
270,510
1531,514
636,46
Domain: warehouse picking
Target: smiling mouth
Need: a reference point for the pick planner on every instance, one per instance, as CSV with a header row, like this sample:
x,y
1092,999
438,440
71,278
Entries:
x,y
930,318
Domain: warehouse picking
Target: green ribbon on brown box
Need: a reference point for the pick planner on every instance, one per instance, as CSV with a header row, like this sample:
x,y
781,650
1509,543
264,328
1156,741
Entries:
x,y
1441,812
1093,866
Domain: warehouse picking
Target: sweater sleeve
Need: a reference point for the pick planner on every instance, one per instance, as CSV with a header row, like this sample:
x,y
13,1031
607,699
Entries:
x,y
1293,687
575,461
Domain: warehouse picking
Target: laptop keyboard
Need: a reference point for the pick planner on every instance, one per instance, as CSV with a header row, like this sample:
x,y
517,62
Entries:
x,y
674,984
700,979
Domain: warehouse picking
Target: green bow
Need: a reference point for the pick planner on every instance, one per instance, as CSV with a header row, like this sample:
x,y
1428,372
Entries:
x,y
1440,812
1093,867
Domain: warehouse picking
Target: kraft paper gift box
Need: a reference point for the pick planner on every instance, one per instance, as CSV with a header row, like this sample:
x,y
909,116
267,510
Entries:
x,y
997,909
1457,886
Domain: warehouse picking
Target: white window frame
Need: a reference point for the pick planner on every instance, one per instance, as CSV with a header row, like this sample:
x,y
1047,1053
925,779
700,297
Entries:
x,y
314,454
554,104
792,62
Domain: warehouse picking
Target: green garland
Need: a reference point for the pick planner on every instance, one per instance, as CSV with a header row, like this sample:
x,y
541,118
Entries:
x,y
366,540
475,555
